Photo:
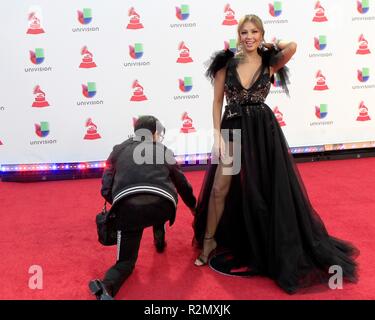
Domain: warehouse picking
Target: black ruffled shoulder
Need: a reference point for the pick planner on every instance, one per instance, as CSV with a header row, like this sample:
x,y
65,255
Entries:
x,y
218,61
271,57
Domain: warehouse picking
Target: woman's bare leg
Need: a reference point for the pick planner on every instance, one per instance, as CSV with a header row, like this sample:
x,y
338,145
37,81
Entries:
x,y
216,205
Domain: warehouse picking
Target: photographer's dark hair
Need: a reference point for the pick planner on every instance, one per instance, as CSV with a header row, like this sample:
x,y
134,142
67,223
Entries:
x,y
148,123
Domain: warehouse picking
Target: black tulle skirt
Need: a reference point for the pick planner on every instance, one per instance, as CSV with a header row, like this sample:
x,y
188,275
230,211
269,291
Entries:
x,y
268,222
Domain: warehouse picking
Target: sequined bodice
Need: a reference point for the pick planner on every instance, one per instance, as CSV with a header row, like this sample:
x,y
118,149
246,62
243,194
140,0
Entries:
x,y
235,93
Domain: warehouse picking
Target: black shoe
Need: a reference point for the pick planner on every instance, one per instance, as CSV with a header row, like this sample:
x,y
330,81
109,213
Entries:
x,y
159,240
98,288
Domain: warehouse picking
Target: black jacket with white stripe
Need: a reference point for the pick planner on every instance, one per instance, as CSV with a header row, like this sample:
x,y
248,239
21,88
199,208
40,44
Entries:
x,y
144,167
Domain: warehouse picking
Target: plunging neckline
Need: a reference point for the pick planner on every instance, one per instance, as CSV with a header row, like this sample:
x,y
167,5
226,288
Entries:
x,y
251,84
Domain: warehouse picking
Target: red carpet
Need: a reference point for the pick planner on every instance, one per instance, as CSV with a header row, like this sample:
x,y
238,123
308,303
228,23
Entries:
x,y
51,224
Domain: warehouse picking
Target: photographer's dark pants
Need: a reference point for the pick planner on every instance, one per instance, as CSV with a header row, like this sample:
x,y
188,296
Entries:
x,y
133,214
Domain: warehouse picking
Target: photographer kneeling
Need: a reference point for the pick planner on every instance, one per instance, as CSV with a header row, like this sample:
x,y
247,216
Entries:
x,y
141,182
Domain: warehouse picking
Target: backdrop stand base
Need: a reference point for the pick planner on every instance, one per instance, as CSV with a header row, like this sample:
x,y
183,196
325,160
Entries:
x,y
31,176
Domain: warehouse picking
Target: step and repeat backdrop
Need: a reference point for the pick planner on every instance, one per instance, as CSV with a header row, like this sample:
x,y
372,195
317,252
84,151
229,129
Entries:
x,y
75,75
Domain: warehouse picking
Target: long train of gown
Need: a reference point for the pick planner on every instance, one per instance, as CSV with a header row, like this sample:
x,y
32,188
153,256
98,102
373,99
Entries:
x,y
268,221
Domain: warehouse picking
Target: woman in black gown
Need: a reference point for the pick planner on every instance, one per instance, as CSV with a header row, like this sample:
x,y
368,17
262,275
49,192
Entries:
x,y
262,214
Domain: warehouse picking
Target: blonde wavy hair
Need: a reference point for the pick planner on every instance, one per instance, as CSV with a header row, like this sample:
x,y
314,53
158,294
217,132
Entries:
x,y
248,18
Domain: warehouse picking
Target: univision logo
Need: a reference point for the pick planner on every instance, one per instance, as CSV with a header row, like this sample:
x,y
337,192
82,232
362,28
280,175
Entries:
x,y
320,43
42,129
275,9
85,16
322,111
136,51
89,90
363,75
363,6
185,85
183,12
37,56
276,83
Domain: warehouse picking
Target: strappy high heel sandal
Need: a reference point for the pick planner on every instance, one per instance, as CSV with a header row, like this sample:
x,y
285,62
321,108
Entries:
x,y
202,258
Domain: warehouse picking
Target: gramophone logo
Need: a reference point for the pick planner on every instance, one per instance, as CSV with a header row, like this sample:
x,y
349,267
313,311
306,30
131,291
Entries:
x,y
184,54
42,129
320,82
35,24
363,46
363,6
136,51
230,18
275,9
89,90
138,94
85,16
319,13
182,12
322,111
40,98
363,75
231,45
320,43
363,112
279,116
91,131
87,59
187,124
134,20
186,84
37,56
